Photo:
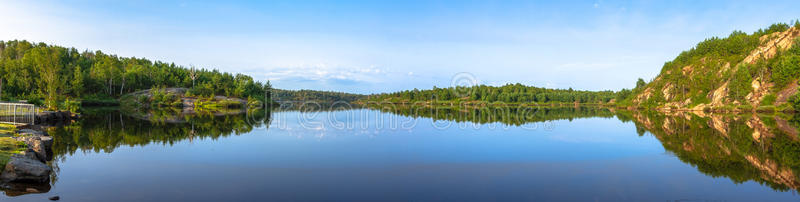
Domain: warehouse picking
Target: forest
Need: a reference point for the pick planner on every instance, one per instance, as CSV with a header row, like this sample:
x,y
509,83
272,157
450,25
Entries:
x,y
38,72
314,95
510,93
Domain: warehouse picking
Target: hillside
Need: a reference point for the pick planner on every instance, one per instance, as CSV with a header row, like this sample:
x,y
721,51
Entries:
x,y
742,72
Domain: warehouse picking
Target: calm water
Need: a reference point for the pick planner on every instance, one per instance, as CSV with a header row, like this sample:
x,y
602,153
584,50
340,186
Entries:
x,y
554,154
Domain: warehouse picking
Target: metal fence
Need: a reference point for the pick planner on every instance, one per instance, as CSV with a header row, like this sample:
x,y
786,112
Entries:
x,y
18,113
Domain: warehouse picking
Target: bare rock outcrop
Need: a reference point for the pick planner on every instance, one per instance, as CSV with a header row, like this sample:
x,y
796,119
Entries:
x,y
773,43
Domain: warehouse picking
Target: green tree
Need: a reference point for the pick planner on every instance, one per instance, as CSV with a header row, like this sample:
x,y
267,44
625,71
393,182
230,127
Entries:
x,y
46,63
77,81
640,83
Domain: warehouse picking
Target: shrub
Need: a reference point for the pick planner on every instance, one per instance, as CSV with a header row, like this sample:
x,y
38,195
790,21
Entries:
x,y
794,101
740,83
71,105
786,70
768,99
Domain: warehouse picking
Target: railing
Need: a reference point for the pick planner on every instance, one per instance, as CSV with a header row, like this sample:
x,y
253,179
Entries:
x,y
17,113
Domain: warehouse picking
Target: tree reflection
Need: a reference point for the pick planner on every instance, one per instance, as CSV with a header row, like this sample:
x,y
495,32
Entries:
x,y
760,148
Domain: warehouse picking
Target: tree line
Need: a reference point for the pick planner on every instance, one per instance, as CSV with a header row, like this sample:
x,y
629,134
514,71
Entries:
x,y
510,93
314,95
38,71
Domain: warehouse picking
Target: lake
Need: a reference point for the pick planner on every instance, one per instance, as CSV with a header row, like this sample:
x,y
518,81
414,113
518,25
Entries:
x,y
422,154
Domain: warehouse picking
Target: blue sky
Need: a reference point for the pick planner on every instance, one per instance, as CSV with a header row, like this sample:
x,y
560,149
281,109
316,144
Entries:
x,y
382,46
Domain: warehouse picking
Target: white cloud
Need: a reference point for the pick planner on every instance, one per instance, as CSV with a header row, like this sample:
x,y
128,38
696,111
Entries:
x,y
324,72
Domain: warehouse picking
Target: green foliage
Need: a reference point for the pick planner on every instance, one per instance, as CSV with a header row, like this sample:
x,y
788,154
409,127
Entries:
x,y
54,73
510,93
70,105
623,94
161,98
768,99
794,101
77,82
313,95
640,83
786,70
694,73
740,84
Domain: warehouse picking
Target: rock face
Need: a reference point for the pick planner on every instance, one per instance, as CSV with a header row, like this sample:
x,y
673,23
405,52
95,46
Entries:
x,y
22,168
707,81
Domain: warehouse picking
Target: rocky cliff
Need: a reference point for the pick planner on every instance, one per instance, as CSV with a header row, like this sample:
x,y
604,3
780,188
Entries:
x,y
740,72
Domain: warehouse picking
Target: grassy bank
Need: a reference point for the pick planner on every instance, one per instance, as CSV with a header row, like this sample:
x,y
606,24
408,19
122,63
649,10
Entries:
x,y
8,145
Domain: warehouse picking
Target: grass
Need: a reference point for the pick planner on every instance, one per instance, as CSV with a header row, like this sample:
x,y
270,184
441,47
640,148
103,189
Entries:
x,y
7,129
8,145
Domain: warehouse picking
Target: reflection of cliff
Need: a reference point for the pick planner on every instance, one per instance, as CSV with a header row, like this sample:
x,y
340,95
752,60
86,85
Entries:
x,y
764,149
514,115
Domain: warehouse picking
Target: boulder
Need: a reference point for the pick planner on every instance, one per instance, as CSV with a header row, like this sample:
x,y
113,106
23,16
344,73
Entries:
x,y
30,154
47,141
22,168
40,149
38,142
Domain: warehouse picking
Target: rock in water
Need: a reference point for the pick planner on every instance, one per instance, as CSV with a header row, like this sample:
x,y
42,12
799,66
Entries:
x,y
25,169
54,198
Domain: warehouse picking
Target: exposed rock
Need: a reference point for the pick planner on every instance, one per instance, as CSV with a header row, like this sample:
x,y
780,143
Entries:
x,y
644,96
40,149
760,89
54,198
720,69
665,91
37,142
774,42
687,70
25,169
30,154
724,68
718,95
